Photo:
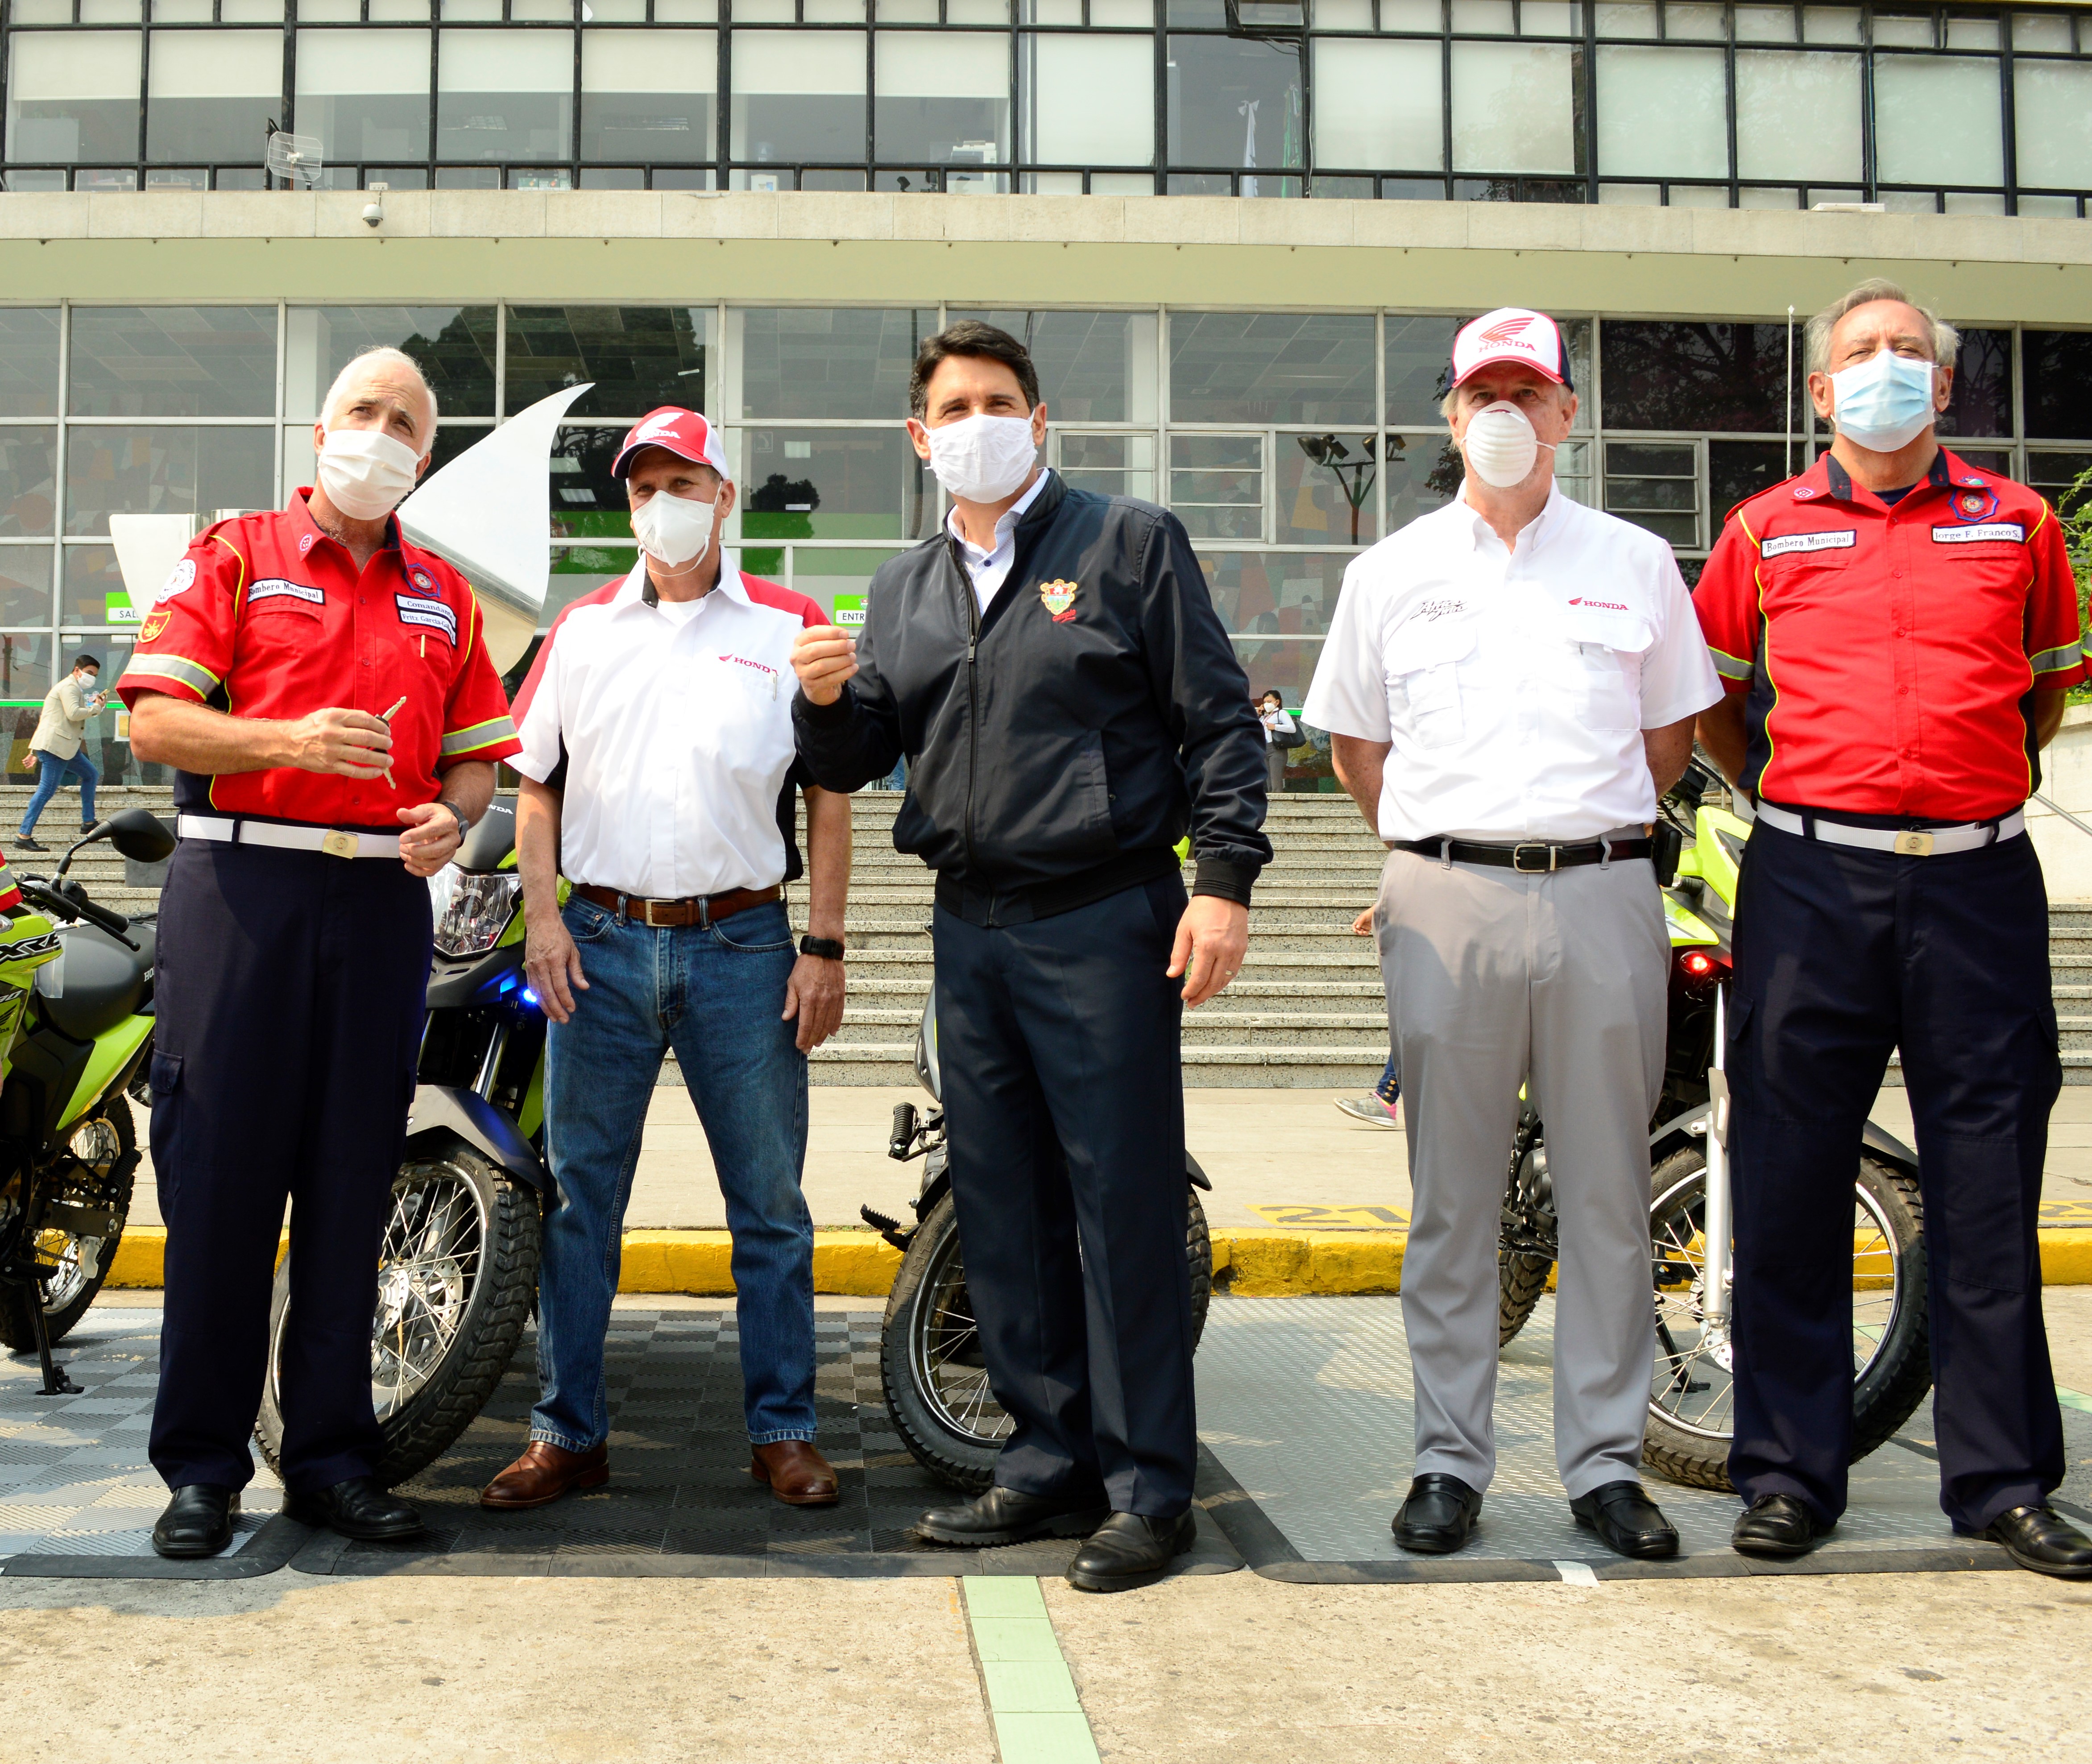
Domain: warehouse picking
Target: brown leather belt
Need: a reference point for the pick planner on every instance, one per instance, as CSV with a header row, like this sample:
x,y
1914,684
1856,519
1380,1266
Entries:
x,y
692,909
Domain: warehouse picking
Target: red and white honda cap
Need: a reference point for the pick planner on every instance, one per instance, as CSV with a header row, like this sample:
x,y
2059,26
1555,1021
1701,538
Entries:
x,y
1512,334
682,432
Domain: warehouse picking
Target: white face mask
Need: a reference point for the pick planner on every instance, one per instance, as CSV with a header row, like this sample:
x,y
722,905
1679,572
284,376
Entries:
x,y
983,458
674,529
366,474
1500,445
1885,402
86,682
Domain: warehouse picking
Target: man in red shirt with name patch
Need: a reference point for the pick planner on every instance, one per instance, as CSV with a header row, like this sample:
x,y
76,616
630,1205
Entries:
x,y
323,690
1896,630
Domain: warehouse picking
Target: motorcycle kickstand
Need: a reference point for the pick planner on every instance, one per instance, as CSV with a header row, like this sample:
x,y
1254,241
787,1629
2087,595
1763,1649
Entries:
x,y
56,1382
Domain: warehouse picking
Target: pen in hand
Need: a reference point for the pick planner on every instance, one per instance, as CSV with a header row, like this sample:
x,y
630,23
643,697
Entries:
x,y
386,718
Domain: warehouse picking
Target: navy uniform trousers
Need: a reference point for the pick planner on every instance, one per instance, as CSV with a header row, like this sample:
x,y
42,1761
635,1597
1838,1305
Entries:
x,y
1841,956
289,999
1058,1042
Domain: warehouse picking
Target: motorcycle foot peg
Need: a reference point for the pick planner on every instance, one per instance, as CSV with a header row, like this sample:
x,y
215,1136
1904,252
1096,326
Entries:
x,y
889,1229
901,1140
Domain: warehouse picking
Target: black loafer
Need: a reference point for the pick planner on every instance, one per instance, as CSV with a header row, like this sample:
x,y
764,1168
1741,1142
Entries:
x,y
1439,1517
1008,1516
356,1508
1627,1522
198,1521
1130,1550
1778,1525
2038,1537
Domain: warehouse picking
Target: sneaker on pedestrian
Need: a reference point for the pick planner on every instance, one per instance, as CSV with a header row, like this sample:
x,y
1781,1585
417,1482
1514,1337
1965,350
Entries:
x,y
1371,1110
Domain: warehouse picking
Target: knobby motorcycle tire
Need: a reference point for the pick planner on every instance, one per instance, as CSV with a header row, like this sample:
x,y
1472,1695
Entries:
x,y
428,1424
17,1324
1521,1278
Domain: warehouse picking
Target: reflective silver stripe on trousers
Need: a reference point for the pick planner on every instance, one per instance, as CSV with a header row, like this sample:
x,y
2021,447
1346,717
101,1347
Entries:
x,y
229,830
1937,842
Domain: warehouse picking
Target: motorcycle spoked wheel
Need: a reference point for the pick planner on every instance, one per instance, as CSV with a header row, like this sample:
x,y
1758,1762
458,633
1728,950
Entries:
x,y
929,1359
105,1141
457,1274
1690,1395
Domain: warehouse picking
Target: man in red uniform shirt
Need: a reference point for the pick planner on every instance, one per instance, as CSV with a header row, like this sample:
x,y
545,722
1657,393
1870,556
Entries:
x,y
1896,630
323,689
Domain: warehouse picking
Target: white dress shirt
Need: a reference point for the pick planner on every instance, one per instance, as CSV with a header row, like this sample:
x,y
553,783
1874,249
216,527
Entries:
x,y
673,726
1515,685
988,570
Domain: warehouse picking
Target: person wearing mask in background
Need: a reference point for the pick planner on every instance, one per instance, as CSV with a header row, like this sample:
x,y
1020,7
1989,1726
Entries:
x,y
1511,682
659,778
1070,703
1896,630
317,683
1280,734
55,749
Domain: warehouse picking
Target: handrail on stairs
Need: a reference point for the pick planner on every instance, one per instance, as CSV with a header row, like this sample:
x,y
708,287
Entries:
x,y
2057,808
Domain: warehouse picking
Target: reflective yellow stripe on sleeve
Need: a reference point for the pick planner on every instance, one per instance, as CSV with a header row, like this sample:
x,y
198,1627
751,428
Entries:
x,y
2064,656
1730,667
466,741
148,668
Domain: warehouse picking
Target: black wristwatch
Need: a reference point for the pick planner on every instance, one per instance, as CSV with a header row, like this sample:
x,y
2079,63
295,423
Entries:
x,y
829,948
464,820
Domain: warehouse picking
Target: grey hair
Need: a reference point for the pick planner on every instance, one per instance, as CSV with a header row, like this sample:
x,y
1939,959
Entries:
x,y
1946,340
385,354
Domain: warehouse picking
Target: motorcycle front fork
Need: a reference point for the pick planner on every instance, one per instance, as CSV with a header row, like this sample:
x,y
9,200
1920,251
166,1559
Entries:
x,y
1717,1222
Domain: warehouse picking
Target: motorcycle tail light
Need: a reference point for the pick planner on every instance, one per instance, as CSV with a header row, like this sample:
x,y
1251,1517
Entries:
x,y
1700,967
472,911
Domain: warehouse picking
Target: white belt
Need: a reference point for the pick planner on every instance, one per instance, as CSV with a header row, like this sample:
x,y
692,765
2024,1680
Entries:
x,y
228,831
1905,842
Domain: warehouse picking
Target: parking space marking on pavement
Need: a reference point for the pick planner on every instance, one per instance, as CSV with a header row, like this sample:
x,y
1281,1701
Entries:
x,y
2073,1399
1576,1574
1030,1693
1305,1218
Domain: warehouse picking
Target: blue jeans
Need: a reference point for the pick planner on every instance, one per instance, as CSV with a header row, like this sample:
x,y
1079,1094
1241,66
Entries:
x,y
51,772
714,994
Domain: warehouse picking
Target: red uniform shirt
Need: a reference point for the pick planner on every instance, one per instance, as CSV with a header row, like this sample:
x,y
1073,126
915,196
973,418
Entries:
x,y
266,616
1889,651
11,897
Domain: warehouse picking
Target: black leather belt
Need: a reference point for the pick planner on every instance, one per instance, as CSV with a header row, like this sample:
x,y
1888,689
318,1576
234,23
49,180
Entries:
x,y
1529,859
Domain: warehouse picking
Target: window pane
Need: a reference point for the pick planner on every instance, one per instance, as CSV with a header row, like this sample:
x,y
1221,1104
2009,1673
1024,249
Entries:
x,y
1093,367
504,94
1419,355
1217,485
28,487
640,357
72,96
2054,474
1936,120
647,95
1424,473
1798,116
2052,102
25,584
452,345
2057,372
799,96
28,361
173,470
840,581
831,484
587,502
807,362
944,98
1738,470
1325,489
1983,385
1121,464
1232,102
1662,113
1088,101
1378,106
1275,367
1697,376
25,676
1514,108
212,93
1275,593
365,93
173,361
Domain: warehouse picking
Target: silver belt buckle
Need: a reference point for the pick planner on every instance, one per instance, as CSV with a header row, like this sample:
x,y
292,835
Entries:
x,y
1518,859
339,845
1913,844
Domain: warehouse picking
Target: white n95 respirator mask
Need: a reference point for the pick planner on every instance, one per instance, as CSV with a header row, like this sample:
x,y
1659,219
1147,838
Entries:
x,y
674,529
983,458
1500,445
1885,402
366,474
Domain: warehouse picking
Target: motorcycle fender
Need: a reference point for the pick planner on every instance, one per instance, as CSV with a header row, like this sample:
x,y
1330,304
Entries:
x,y
1889,1148
115,1052
445,1110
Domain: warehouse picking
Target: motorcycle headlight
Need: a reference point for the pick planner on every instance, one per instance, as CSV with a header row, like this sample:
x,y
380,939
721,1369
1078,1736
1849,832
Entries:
x,y
472,911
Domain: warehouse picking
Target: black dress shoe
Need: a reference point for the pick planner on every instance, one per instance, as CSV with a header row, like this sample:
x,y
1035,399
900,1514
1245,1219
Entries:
x,y
2038,1537
1008,1516
198,1521
356,1508
1130,1550
22,842
1439,1516
1778,1525
1627,1522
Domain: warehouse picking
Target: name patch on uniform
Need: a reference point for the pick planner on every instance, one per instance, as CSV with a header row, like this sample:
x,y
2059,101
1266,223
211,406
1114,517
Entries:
x,y
272,587
1838,539
433,614
2012,531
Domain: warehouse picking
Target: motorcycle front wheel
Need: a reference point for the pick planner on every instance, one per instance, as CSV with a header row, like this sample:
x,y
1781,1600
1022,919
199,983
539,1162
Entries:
x,y
457,1272
95,1168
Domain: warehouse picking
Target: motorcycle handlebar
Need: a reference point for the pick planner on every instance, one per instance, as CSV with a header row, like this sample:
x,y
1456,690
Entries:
x,y
71,902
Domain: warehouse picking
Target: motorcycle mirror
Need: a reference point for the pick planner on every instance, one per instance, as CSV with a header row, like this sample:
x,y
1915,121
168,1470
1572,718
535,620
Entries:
x,y
141,835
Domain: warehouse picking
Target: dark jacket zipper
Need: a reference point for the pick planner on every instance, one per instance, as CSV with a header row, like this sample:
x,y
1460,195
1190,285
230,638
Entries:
x,y
972,703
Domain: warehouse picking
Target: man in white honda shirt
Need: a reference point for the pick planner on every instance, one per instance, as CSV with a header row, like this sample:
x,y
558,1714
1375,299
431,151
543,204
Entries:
x,y
658,772
1510,682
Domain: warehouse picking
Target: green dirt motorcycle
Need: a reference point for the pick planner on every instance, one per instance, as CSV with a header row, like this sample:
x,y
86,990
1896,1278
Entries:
x,y
76,1026
1699,849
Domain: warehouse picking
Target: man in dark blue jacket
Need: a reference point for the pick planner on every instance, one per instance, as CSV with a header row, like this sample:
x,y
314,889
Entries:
x,y
1070,707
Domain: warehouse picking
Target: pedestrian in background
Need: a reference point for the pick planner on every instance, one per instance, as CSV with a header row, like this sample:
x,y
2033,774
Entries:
x,y
1511,682
1280,735
1925,624
57,749
1382,1108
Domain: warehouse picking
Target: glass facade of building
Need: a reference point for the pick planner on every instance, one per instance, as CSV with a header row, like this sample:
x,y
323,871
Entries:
x,y
1285,441
1952,108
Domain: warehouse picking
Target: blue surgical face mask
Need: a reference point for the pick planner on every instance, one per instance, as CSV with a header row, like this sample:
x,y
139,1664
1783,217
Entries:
x,y
1884,403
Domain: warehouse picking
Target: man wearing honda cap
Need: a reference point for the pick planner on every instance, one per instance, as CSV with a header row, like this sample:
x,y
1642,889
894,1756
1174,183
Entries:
x,y
659,778
1511,681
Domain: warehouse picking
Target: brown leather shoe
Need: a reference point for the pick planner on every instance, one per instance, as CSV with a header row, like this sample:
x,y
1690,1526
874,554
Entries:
x,y
798,1475
543,1474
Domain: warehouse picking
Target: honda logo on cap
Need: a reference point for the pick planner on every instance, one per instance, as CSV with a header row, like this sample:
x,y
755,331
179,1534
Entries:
x,y
1511,333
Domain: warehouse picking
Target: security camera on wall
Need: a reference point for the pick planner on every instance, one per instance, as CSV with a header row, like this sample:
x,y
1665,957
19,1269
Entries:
x,y
374,210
